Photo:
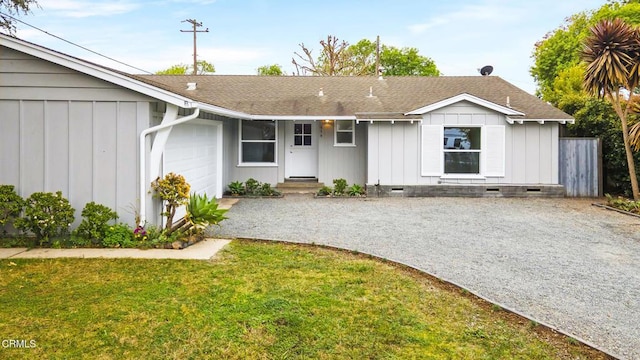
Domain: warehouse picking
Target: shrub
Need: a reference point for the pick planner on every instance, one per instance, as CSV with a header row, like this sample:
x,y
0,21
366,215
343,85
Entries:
x,y
95,221
623,204
356,190
251,186
11,204
325,191
46,215
339,186
266,190
236,188
157,237
118,236
174,191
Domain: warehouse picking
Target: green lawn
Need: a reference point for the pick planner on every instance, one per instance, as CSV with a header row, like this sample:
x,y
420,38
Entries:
x,y
256,301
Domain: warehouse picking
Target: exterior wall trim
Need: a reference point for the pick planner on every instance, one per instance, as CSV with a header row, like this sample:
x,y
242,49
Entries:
x,y
464,96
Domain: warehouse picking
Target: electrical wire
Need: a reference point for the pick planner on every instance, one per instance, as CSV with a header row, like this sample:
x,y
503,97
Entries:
x,y
74,44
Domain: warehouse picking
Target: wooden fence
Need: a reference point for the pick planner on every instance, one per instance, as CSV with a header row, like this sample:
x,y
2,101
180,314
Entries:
x,y
581,166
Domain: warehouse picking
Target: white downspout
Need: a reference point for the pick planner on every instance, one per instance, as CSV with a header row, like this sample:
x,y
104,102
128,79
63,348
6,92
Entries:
x,y
171,111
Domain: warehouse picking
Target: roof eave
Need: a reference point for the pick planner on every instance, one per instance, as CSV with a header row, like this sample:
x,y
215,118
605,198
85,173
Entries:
x,y
302,117
224,112
512,121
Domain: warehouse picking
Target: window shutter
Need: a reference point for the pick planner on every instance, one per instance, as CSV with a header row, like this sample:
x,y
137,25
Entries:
x,y
494,150
432,138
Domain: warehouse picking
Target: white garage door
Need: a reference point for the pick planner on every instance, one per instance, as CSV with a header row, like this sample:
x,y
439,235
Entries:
x,y
194,150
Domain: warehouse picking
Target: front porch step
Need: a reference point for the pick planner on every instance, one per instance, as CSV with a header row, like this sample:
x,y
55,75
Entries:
x,y
299,186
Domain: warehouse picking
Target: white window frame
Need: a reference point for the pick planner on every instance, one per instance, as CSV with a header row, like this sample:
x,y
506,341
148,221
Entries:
x,y
336,131
479,151
258,164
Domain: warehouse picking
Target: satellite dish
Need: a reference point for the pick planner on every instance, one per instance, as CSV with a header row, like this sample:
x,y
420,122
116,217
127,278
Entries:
x,y
486,70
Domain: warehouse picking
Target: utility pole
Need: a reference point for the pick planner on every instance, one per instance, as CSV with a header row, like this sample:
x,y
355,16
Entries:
x,y
378,73
194,31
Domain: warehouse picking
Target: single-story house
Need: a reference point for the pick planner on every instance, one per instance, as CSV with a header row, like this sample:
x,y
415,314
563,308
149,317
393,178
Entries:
x,y
102,135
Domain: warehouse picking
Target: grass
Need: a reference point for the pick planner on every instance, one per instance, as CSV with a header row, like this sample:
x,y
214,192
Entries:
x,y
258,301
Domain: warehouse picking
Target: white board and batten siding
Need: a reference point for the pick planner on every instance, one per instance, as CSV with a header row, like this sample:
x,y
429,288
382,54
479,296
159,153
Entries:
x,y
62,130
412,154
346,162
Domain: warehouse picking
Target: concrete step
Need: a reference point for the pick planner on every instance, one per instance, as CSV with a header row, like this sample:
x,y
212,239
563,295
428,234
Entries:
x,y
299,187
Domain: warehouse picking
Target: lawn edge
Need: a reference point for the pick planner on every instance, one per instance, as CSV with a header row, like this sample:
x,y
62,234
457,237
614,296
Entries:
x,y
451,283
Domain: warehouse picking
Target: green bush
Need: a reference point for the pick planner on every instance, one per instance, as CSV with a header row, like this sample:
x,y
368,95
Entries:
x,y
339,186
251,186
95,221
325,191
46,215
356,190
236,188
11,204
118,236
266,190
157,237
623,204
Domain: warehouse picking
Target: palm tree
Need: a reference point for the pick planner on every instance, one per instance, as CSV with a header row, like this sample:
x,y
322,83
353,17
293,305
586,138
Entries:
x,y
612,54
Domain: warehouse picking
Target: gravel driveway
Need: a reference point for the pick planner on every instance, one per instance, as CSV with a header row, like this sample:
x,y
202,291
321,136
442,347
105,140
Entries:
x,y
562,262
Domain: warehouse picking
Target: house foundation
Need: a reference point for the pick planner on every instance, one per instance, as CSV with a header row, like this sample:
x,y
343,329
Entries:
x,y
467,190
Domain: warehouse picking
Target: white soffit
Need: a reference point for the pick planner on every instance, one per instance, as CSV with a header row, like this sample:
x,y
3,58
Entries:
x,y
539,121
462,97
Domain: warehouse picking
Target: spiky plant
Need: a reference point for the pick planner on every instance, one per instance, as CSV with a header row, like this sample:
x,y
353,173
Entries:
x,y
612,54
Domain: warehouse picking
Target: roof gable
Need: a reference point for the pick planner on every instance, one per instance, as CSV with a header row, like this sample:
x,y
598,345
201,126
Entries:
x,y
97,71
462,97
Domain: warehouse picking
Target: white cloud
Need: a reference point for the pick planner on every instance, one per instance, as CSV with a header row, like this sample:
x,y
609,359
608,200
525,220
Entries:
x,y
84,8
466,16
421,28
197,2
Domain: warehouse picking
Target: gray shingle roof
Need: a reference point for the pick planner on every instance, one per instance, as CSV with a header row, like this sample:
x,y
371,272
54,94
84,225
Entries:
x,y
347,96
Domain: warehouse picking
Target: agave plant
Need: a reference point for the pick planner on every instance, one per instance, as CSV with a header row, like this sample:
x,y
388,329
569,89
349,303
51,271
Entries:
x,y
202,211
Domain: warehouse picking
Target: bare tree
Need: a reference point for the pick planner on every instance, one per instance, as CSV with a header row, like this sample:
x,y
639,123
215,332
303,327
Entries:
x,y
335,59
13,8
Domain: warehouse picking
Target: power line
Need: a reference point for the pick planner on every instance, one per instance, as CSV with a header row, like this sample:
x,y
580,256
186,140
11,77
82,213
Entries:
x,y
74,44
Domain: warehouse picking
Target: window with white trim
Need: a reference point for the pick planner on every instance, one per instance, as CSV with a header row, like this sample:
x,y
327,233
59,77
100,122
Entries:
x,y
344,132
258,141
462,148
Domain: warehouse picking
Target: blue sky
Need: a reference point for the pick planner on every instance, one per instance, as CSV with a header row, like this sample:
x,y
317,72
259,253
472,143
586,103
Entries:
x,y
459,35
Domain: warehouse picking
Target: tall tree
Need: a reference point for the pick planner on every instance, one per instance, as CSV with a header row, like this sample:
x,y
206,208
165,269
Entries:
x,y
612,54
13,8
560,49
406,61
270,70
204,68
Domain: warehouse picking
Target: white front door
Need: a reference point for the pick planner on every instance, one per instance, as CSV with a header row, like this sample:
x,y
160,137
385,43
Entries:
x,y
301,149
